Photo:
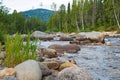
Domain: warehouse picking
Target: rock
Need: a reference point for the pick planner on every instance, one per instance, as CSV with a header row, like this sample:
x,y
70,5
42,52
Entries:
x,y
65,38
108,43
38,34
49,78
72,61
45,70
74,73
49,53
28,70
51,65
7,72
70,48
55,73
9,78
41,35
95,37
2,55
1,61
65,65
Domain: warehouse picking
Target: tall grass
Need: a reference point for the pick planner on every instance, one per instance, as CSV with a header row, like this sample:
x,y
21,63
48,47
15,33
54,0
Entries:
x,y
18,51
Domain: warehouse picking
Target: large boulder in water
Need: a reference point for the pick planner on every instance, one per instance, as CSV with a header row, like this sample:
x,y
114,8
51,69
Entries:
x,y
74,73
28,70
70,48
93,36
41,35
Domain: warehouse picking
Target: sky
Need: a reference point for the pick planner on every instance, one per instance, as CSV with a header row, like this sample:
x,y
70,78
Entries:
x,y
23,5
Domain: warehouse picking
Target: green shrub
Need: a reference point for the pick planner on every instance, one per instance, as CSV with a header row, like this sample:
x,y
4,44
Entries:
x,y
18,51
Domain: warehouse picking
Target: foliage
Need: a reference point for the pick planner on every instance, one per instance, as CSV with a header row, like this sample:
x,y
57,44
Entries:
x,y
17,51
86,15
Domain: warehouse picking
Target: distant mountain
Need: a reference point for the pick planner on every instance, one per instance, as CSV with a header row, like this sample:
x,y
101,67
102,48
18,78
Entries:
x,y
42,14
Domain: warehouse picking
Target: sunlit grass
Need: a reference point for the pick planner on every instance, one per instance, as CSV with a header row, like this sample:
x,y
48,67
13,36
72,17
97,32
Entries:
x,y
17,51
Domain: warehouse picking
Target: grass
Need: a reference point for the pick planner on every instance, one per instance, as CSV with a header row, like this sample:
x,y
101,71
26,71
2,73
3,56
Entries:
x,y
17,51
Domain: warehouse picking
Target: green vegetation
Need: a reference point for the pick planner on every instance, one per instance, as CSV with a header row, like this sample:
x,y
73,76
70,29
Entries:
x,y
82,15
17,51
86,15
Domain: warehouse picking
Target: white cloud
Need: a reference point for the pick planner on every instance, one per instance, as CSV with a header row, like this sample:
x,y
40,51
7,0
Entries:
x,y
22,5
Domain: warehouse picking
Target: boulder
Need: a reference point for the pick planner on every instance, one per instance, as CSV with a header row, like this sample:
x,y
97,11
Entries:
x,y
74,73
93,36
41,35
45,70
7,72
28,70
51,65
65,65
70,48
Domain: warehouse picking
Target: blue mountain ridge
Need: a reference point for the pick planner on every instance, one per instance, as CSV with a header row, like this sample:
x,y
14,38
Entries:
x,y
43,14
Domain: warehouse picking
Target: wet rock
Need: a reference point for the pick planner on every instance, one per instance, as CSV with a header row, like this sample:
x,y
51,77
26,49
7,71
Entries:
x,y
74,73
49,78
45,70
65,65
108,43
51,65
7,72
28,70
49,53
72,61
10,78
70,48
65,38
55,73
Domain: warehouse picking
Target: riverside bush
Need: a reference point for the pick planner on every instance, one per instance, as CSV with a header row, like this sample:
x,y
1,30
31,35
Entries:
x,y
18,51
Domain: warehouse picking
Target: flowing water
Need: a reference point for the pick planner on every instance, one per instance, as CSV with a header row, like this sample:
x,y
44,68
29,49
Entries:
x,y
102,62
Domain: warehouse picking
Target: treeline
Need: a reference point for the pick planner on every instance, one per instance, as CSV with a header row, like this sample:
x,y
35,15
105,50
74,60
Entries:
x,y
17,22
86,15
82,15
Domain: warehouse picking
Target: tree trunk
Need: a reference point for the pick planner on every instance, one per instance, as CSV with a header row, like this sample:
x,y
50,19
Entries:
x,y
94,13
115,14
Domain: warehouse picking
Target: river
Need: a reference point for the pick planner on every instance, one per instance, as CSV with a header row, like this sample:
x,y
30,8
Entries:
x,y
102,62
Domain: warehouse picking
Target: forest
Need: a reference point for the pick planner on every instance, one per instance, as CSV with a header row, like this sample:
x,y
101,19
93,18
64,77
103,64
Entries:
x,y
82,15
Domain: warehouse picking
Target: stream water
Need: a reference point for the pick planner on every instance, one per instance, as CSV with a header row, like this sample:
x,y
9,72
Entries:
x,y
102,62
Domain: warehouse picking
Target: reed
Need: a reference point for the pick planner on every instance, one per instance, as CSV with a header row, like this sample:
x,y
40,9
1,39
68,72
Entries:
x,y
18,51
